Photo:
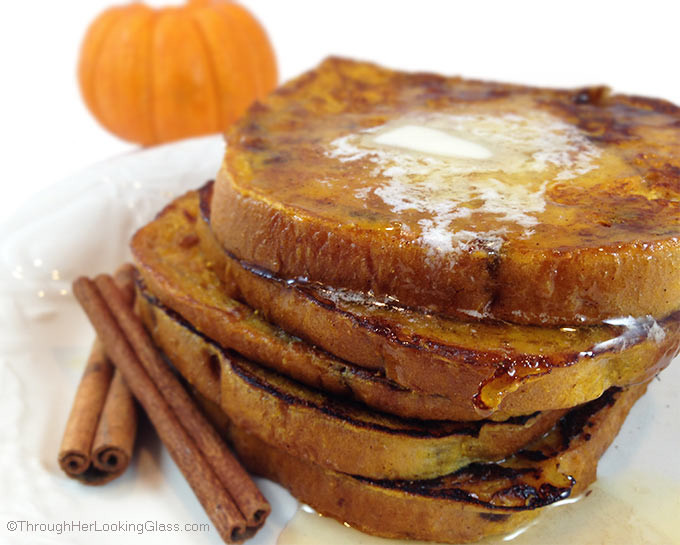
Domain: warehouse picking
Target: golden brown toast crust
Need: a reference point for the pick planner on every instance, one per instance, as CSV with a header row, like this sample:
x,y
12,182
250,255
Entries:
x,y
463,507
168,255
480,368
503,365
331,432
600,240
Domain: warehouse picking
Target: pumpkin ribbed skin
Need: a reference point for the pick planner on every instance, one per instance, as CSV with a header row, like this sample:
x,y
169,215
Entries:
x,y
157,75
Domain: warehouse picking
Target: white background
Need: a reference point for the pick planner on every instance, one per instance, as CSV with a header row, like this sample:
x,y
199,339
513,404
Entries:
x,y
47,134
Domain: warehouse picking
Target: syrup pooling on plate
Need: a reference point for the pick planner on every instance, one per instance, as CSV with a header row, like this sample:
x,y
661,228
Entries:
x,y
631,510
545,453
307,527
461,167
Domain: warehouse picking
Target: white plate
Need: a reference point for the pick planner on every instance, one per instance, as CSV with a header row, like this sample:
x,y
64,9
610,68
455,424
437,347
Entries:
x,y
82,226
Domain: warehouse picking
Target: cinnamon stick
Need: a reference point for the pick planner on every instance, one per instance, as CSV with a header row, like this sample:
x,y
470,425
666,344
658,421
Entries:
x,y
76,445
115,437
226,516
124,277
236,480
101,429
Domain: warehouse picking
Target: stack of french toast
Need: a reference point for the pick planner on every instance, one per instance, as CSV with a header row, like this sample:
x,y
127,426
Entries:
x,y
425,305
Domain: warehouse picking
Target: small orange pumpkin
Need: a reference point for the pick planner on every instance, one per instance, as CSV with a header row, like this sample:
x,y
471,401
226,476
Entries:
x,y
155,75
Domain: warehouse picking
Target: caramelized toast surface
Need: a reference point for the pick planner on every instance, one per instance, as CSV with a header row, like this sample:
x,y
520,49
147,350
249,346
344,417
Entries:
x,y
327,430
477,501
529,205
452,369
559,367
169,257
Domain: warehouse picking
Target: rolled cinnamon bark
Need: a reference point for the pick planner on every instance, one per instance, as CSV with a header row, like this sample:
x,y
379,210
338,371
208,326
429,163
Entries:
x,y
76,445
115,437
216,500
236,480
100,432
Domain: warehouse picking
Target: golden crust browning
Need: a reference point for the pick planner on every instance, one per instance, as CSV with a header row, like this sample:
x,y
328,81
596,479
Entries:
x,y
605,245
512,368
326,430
444,512
568,369
425,305
169,258
448,373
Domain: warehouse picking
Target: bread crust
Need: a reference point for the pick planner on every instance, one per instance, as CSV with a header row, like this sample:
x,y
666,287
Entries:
x,y
327,430
441,514
174,269
443,372
606,244
518,375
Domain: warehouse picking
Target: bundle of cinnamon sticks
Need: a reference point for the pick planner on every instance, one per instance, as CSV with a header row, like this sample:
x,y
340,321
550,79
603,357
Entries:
x,y
100,432
101,428
227,493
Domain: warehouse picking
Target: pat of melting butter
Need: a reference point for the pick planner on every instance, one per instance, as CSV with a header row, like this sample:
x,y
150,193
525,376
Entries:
x,y
457,171
431,141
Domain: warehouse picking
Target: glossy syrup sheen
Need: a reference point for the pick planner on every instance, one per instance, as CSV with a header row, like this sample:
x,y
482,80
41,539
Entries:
x,y
638,509
565,169
610,513
518,353
551,346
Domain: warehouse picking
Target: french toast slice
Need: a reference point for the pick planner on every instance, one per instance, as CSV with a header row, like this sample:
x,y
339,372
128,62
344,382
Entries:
x,y
481,500
326,430
454,370
477,501
484,367
174,269
534,206
498,366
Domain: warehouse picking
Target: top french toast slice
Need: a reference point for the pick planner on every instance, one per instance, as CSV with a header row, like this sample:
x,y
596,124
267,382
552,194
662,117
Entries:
x,y
529,205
